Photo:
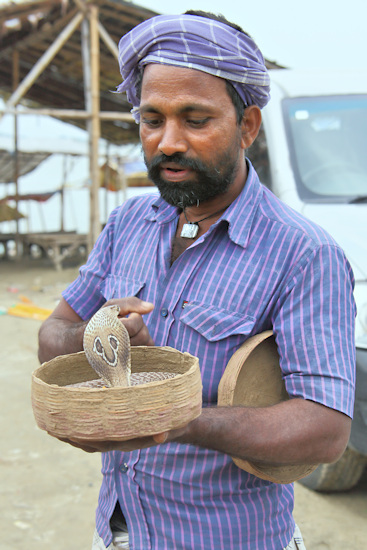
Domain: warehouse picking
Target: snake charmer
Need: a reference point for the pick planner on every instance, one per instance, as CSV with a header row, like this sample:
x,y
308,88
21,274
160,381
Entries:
x,y
211,260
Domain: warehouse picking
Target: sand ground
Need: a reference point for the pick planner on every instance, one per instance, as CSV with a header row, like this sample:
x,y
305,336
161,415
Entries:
x,y
49,490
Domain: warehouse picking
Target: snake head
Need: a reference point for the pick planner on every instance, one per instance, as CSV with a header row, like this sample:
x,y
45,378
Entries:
x,y
114,307
106,344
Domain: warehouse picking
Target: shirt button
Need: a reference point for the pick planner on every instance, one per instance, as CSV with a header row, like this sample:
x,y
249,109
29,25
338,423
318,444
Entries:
x,y
124,468
164,312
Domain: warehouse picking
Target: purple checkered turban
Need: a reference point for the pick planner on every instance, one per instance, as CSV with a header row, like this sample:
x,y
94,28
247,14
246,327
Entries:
x,y
198,43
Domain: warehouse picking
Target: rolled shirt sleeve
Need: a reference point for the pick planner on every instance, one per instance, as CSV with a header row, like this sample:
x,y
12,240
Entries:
x,y
315,330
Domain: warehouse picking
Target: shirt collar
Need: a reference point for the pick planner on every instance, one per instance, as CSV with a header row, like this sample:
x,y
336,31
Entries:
x,y
239,214
161,211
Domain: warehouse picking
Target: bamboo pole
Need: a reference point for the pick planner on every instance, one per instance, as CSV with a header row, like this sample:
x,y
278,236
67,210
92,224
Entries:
x,y
102,31
70,113
85,36
62,191
112,115
16,152
108,41
42,63
123,179
95,224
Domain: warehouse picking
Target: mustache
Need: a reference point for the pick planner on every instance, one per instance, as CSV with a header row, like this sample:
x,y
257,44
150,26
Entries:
x,y
178,159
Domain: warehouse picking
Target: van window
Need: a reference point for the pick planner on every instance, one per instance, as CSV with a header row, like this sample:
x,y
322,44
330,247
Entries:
x,y
327,139
258,155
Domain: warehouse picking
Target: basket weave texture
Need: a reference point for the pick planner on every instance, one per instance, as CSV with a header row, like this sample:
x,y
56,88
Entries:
x,y
118,413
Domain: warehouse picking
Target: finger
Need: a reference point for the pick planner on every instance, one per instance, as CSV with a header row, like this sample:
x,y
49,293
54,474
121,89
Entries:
x,y
137,443
83,446
134,324
93,446
138,331
131,304
105,446
160,438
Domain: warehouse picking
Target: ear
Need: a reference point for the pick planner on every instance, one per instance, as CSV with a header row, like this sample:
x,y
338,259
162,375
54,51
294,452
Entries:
x,y
250,125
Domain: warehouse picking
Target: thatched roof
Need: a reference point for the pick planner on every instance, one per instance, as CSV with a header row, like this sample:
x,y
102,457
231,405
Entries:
x,y
30,27
26,163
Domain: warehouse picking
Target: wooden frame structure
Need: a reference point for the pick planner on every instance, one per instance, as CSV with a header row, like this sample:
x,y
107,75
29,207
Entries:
x,y
34,71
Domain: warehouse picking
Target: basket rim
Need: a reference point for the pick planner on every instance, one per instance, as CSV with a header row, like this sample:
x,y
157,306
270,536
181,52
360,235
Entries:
x,y
155,383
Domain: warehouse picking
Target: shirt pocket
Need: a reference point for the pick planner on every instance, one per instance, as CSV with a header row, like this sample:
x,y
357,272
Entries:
x,y
117,286
216,324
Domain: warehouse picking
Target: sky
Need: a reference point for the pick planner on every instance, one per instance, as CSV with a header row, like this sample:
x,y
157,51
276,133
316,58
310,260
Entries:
x,y
299,34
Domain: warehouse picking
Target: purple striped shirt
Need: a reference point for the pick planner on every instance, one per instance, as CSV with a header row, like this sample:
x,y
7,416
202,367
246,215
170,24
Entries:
x,y
261,266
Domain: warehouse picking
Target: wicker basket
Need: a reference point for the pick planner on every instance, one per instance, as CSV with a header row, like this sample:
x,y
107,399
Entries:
x,y
116,413
253,379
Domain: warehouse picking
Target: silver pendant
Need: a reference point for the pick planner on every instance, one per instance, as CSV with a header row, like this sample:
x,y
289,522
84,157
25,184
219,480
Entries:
x,y
189,230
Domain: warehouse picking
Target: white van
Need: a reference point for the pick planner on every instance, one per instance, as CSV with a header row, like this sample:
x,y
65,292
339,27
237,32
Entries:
x,y
312,153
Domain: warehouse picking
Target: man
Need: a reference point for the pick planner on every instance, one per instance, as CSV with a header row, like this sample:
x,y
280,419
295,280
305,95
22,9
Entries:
x,y
212,261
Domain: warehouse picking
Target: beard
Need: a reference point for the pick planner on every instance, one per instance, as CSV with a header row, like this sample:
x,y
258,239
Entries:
x,y
211,179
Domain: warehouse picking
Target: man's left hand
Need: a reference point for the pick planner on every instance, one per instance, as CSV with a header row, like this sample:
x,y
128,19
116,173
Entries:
x,y
91,446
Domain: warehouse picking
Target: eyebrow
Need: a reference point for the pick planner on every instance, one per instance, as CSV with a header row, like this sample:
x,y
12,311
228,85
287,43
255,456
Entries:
x,y
192,107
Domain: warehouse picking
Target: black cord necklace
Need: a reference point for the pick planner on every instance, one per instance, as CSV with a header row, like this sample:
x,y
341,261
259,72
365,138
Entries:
x,y
191,229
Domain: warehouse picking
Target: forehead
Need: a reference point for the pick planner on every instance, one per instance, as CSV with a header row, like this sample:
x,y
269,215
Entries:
x,y
180,86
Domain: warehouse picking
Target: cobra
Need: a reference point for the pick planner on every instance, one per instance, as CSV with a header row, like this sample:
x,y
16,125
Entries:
x,y
106,344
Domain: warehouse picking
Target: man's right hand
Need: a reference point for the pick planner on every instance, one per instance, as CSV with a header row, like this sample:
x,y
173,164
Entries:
x,y
62,333
131,314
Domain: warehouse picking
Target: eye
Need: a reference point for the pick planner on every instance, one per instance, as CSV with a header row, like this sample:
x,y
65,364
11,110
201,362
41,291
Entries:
x,y
151,122
198,122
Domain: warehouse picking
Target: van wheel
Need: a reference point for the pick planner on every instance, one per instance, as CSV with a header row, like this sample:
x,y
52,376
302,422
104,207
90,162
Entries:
x,y
340,476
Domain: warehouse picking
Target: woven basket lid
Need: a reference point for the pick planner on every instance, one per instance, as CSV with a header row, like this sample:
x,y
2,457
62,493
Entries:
x,y
253,378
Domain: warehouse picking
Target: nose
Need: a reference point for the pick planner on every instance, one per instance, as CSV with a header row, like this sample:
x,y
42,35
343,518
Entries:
x,y
172,139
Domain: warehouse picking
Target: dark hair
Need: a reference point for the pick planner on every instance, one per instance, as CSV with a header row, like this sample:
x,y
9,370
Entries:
x,y
219,17
237,101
